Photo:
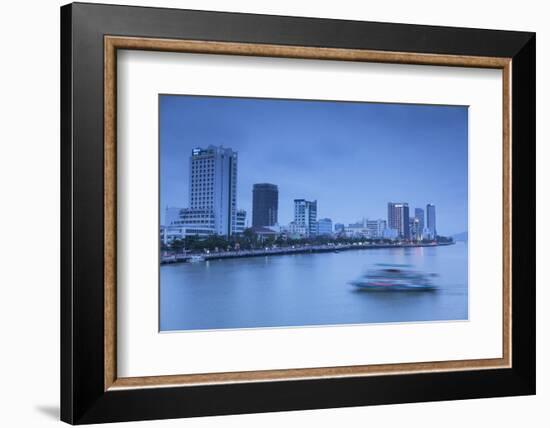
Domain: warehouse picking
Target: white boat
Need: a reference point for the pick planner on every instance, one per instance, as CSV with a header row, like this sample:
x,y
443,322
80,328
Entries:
x,y
196,259
392,277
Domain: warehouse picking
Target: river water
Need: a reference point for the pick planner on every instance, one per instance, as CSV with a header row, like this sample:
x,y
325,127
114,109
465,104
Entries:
x,y
309,289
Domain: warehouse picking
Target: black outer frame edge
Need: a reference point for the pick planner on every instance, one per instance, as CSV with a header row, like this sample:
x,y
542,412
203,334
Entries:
x,y
524,212
66,306
82,397
300,31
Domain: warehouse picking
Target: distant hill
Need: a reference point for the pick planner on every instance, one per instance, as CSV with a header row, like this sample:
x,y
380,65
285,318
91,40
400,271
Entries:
x,y
461,236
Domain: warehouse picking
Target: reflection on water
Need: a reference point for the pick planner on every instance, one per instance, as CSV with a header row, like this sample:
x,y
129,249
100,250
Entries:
x,y
312,289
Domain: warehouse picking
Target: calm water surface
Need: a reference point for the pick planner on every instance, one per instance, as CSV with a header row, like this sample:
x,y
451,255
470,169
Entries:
x,y
309,289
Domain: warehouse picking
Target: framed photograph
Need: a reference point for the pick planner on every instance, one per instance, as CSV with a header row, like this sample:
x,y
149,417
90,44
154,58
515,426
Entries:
x,y
266,213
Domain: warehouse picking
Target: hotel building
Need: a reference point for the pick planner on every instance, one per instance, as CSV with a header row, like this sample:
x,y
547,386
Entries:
x,y
212,196
398,218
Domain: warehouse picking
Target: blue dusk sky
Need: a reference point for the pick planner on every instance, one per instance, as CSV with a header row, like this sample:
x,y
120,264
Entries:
x,y
353,158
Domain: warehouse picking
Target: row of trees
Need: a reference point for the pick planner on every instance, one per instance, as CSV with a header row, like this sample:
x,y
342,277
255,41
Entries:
x,y
249,240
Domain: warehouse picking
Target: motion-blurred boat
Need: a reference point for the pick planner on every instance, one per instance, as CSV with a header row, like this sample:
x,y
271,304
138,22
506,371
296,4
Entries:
x,y
394,277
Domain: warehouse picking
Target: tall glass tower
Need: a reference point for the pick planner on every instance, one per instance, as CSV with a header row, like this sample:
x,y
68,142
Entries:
x,y
430,220
419,214
265,204
418,232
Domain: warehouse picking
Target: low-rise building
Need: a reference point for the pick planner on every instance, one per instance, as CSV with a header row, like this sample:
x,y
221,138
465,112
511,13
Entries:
x,y
324,227
376,228
428,234
390,233
200,222
356,230
168,234
172,216
296,231
339,228
371,229
241,222
263,232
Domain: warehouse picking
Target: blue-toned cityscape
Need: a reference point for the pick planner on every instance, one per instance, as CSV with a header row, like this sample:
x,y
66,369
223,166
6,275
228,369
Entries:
x,y
285,243
212,212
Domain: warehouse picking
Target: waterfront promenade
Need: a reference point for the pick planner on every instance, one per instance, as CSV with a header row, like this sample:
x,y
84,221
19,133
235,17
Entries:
x,y
183,258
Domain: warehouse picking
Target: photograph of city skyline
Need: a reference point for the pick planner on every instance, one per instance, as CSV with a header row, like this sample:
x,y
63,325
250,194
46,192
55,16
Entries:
x,y
295,213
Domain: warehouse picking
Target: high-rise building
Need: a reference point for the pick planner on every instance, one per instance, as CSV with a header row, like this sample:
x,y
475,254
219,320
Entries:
x,y
398,218
305,215
324,227
430,220
419,214
414,228
213,190
265,204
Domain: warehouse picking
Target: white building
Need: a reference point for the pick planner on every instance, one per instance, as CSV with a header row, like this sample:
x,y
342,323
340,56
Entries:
x,y
212,196
171,233
305,215
376,228
172,216
296,231
372,229
356,230
213,189
197,222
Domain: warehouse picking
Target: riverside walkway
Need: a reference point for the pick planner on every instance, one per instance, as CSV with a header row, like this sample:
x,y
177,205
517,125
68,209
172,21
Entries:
x,y
327,248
